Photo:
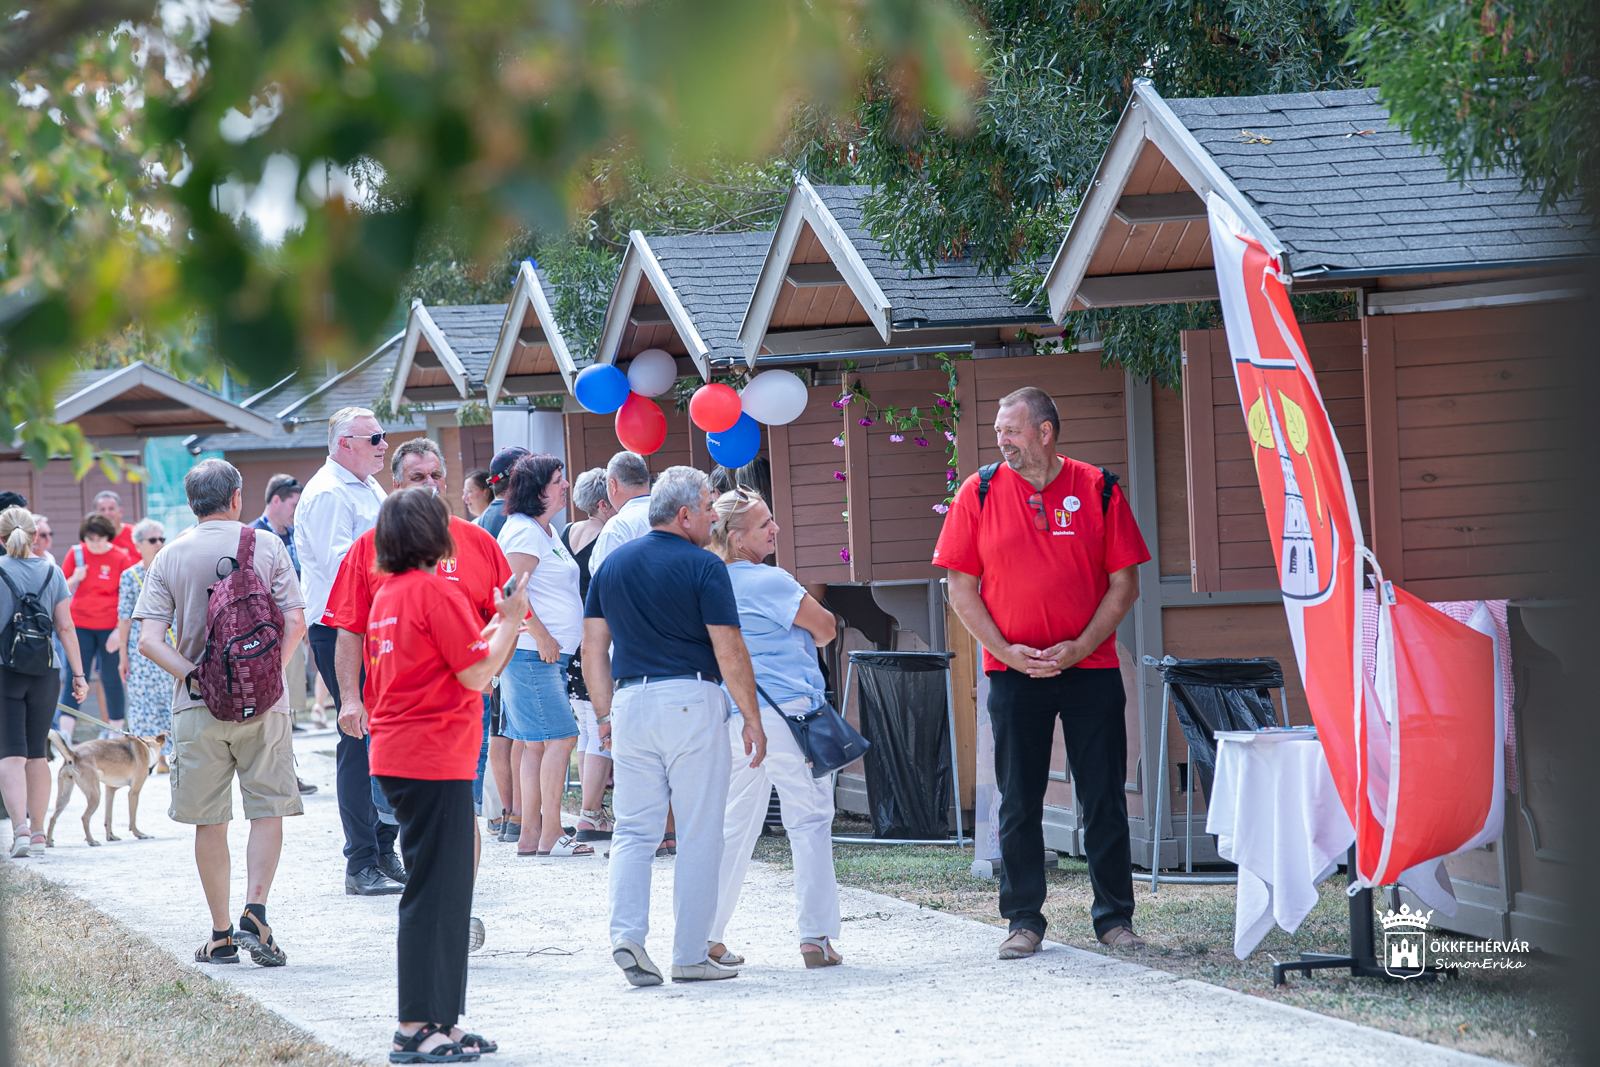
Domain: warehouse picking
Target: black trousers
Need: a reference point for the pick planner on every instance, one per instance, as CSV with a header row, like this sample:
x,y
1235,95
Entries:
x,y
1089,702
435,910
29,709
92,647
365,837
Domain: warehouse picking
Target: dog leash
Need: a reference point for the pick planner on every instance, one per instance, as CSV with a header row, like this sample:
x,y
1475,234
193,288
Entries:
x,y
75,713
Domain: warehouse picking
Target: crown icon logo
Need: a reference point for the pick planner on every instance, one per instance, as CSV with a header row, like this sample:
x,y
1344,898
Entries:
x,y
1406,919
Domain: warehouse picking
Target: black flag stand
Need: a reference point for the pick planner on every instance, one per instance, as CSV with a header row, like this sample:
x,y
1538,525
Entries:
x,y
1363,958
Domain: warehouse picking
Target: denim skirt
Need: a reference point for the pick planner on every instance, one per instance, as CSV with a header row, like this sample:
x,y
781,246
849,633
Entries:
x,y
533,698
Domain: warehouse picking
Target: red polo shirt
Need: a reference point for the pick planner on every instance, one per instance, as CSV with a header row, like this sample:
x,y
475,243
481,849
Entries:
x,y
1042,585
476,570
124,541
424,723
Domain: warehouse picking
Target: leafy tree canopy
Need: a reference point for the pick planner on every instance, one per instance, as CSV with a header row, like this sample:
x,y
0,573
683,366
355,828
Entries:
x,y
133,135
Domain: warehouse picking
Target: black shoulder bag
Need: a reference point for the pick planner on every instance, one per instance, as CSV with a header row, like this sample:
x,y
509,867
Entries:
x,y
828,741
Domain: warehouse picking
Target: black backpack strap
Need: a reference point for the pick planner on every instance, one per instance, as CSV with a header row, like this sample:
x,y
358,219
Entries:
x,y
1108,482
16,594
985,473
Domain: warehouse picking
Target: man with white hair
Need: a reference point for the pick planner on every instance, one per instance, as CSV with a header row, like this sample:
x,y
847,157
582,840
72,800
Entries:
x,y
668,605
628,489
338,505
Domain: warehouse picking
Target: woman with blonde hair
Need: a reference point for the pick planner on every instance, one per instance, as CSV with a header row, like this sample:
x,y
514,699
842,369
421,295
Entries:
x,y
782,625
149,687
31,588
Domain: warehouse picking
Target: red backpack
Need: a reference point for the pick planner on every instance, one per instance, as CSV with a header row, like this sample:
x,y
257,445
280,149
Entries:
x,y
240,673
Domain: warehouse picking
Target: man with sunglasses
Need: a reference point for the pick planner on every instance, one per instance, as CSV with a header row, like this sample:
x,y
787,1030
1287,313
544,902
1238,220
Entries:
x,y
339,504
1043,554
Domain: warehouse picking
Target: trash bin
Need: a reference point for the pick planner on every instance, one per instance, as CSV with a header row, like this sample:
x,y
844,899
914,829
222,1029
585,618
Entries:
x,y
905,714
1220,694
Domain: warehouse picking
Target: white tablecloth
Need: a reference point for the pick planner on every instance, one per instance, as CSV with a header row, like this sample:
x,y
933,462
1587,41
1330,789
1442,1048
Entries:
x,y
1277,815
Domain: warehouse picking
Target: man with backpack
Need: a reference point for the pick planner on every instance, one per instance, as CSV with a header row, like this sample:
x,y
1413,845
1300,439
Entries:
x,y
1056,548
230,595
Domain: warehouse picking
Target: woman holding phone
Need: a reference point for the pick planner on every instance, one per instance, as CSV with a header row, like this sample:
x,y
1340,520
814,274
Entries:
x,y
533,689
429,658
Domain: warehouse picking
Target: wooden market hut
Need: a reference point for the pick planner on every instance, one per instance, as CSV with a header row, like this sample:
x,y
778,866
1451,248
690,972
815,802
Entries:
x,y
118,410
682,294
1444,385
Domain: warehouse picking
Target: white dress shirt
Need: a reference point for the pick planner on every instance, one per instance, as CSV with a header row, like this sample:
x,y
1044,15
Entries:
x,y
336,507
630,523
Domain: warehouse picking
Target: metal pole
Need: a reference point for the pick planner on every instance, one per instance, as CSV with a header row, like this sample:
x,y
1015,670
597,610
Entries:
x,y
1161,791
1283,706
1188,818
955,757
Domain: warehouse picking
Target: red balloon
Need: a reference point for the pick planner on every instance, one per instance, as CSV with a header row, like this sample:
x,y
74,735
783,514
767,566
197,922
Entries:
x,y
715,408
641,425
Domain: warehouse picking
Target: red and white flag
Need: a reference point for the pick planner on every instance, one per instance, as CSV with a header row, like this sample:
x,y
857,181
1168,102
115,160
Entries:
x,y
1414,758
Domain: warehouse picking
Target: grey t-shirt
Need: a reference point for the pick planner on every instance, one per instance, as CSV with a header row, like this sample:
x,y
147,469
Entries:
x,y
176,583
29,577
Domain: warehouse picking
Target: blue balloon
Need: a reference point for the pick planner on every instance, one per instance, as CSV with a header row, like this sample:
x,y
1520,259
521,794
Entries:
x,y
601,388
737,445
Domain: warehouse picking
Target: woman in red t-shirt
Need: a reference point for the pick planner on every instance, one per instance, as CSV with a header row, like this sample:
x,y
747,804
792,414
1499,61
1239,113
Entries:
x,y
93,569
429,657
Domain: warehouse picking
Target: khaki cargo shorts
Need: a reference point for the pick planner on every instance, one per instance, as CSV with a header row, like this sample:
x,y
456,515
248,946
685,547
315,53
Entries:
x,y
207,754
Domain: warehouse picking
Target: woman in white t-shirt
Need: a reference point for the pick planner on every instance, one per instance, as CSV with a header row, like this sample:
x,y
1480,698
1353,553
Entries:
x,y
534,686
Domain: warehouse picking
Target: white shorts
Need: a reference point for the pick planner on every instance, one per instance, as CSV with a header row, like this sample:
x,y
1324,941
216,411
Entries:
x,y
588,729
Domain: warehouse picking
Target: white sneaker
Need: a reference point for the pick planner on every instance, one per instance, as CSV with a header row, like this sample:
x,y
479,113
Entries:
x,y
704,971
638,966
19,847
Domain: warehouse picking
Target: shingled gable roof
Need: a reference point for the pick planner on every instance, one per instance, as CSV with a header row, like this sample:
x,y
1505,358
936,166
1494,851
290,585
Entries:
x,y
1324,178
703,282
953,293
531,298
303,399
141,400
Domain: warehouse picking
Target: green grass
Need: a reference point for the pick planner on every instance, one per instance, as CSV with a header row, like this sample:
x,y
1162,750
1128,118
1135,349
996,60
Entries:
x,y
1519,1017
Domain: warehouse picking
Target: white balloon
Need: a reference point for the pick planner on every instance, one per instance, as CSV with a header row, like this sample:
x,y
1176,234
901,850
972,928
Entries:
x,y
652,372
775,397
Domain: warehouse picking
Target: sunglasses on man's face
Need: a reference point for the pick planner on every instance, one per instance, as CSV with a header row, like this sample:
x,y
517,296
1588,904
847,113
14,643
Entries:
x,y
43,535
155,540
374,440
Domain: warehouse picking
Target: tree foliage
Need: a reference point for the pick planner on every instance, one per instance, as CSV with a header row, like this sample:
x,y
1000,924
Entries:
x,y
126,130
1501,84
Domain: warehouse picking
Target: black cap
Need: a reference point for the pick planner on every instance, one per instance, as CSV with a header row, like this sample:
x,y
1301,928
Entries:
x,y
501,465
9,499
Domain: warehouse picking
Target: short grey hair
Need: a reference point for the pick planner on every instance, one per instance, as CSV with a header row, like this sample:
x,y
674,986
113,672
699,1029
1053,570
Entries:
x,y
104,493
145,527
339,424
678,487
629,469
210,485
589,490
414,447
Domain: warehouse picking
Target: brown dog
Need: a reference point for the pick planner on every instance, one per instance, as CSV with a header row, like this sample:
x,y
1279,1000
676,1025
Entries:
x,y
115,763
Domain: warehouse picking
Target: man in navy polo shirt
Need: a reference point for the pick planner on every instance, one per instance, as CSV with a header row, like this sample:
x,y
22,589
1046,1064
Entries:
x,y
1056,549
667,606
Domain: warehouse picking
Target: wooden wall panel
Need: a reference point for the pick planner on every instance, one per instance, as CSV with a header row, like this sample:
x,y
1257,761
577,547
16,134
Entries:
x,y
1467,437
1172,485
55,493
808,500
1235,632
1228,535
894,485
1088,398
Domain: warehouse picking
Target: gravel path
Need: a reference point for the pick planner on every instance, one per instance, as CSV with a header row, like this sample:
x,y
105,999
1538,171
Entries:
x,y
918,987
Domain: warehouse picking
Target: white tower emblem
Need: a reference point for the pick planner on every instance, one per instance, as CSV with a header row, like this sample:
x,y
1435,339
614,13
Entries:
x,y
1298,567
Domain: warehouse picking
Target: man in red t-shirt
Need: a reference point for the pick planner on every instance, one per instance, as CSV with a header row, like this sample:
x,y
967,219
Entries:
x,y
476,570
1042,570
109,504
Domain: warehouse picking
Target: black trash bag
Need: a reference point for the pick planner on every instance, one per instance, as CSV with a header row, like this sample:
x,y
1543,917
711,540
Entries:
x,y
903,714
1220,694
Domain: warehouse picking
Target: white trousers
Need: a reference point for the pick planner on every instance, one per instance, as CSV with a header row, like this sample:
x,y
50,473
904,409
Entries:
x,y
588,729
807,805
669,746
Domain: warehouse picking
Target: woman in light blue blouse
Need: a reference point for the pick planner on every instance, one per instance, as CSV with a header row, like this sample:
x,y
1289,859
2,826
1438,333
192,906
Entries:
x,y
782,625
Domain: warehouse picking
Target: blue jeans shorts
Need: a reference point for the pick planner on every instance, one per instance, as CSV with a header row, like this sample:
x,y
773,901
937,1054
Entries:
x,y
533,698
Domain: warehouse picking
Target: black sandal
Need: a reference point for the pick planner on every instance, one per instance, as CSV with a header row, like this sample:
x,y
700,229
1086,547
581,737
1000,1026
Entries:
x,y
263,949
479,1042
226,951
669,845
446,1052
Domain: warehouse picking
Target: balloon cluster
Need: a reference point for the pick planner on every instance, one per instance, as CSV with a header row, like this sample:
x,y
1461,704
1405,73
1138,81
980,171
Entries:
x,y
730,419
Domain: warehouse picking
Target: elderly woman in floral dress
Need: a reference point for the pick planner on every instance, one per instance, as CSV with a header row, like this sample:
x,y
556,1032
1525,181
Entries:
x,y
149,687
